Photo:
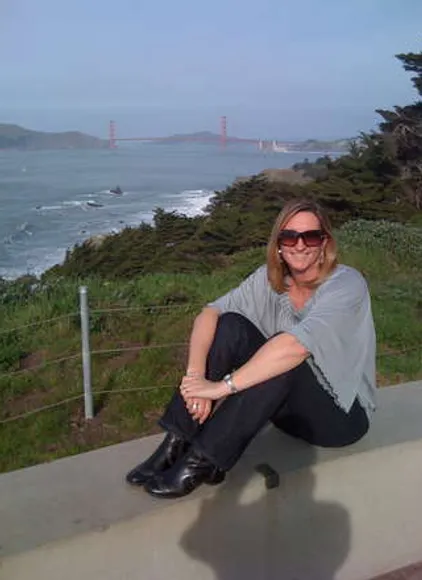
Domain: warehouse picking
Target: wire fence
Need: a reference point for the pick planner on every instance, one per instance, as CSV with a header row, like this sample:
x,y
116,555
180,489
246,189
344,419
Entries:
x,y
78,398
84,318
38,323
149,308
86,353
41,365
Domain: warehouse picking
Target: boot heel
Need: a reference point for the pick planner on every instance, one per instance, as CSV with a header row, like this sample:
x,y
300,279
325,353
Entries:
x,y
168,452
216,477
188,473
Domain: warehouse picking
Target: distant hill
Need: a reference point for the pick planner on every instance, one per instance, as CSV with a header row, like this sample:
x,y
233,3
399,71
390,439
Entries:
x,y
15,137
316,145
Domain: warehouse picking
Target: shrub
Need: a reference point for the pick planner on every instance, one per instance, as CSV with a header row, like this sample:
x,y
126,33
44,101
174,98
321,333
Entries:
x,y
403,242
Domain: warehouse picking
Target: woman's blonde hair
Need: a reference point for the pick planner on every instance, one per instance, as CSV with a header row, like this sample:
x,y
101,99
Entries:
x,y
276,266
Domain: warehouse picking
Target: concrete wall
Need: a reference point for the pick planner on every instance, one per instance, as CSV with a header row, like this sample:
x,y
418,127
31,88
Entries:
x,y
347,514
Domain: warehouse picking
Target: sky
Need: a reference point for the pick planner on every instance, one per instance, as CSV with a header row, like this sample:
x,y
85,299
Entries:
x,y
284,69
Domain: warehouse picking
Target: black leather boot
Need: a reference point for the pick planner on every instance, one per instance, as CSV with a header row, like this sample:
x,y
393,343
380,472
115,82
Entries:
x,y
185,476
167,453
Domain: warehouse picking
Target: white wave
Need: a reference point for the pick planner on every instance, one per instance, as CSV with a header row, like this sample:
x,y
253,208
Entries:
x,y
110,192
83,204
23,229
12,273
74,203
48,207
46,259
136,219
196,192
190,202
39,262
36,262
194,202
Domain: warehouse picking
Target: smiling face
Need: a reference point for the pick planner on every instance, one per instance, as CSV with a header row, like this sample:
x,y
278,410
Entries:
x,y
301,259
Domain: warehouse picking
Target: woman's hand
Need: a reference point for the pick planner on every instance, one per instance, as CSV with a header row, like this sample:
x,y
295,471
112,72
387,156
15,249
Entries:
x,y
200,409
200,388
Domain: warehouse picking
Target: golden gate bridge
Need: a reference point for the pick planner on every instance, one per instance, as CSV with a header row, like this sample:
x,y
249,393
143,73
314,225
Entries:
x,y
223,139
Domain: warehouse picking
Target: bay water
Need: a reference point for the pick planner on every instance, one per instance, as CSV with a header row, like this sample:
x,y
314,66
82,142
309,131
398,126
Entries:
x,y
52,200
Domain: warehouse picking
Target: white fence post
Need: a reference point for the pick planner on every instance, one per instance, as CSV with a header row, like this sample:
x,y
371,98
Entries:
x,y
86,353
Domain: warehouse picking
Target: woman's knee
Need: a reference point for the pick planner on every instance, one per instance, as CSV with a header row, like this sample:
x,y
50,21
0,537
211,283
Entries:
x,y
236,339
232,320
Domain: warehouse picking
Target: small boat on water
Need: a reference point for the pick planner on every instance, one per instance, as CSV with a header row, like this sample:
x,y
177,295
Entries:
x,y
117,190
94,204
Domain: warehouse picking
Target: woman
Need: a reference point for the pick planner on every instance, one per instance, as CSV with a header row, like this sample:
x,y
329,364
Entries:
x,y
294,344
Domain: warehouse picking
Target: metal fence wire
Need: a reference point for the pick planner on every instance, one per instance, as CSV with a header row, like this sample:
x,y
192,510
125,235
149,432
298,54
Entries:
x,y
86,353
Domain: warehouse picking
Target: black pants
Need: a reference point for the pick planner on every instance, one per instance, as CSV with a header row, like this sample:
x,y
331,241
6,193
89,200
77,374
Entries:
x,y
294,401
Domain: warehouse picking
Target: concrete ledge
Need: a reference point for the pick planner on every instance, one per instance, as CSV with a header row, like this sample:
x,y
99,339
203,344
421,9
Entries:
x,y
349,512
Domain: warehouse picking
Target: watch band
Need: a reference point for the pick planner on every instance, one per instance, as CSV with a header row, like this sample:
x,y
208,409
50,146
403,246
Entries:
x,y
229,382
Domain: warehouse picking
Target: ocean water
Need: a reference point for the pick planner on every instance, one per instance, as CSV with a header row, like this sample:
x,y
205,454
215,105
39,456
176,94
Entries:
x,y
51,200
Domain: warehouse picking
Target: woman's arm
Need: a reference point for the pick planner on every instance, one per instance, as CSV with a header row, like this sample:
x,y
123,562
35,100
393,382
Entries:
x,y
278,355
201,338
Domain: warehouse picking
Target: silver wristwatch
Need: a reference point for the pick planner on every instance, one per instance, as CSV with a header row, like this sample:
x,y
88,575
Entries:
x,y
229,382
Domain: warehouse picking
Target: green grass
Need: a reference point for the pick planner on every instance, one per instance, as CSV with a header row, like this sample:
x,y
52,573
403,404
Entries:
x,y
388,255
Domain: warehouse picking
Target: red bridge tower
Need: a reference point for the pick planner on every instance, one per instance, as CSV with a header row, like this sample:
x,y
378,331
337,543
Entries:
x,y
223,131
112,135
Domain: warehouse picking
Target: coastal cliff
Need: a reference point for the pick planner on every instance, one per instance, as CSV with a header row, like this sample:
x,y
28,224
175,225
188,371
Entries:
x,y
16,137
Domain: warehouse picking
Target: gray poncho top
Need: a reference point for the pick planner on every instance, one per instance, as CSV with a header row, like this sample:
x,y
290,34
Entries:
x,y
335,326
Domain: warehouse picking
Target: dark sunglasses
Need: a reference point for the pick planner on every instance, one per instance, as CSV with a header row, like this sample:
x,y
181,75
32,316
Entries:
x,y
311,238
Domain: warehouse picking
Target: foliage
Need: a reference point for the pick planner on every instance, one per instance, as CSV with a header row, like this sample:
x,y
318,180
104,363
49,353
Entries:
x,y
239,217
402,133
402,243
11,351
158,309
316,170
